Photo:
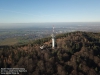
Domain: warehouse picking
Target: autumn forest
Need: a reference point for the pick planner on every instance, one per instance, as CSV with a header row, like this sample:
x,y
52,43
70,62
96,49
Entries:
x,y
76,53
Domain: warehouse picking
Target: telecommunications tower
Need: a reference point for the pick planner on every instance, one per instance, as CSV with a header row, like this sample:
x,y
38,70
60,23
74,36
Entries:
x,y
53,39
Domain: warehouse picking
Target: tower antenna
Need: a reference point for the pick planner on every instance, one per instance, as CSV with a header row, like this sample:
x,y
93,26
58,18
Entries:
x,y
53,28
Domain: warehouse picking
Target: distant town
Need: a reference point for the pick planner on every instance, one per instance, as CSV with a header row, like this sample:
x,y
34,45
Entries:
x,y
22,35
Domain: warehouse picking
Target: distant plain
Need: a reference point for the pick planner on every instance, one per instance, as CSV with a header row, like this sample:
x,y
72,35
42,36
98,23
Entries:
x,y
12,35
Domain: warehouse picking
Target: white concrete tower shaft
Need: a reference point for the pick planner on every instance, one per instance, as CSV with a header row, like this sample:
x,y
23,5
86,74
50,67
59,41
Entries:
x,y
53,39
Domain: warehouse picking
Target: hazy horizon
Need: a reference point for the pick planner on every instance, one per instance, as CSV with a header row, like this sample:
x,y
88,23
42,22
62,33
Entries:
x,y
46,25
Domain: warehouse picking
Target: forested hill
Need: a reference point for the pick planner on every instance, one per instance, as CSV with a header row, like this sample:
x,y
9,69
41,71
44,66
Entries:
x,y
76,53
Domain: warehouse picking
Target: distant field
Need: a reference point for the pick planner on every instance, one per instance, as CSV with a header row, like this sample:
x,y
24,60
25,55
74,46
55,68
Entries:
x,y
12,37
12,41
9,41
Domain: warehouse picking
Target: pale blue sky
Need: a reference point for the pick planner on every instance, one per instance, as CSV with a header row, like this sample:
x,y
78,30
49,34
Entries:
x,y
37,11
